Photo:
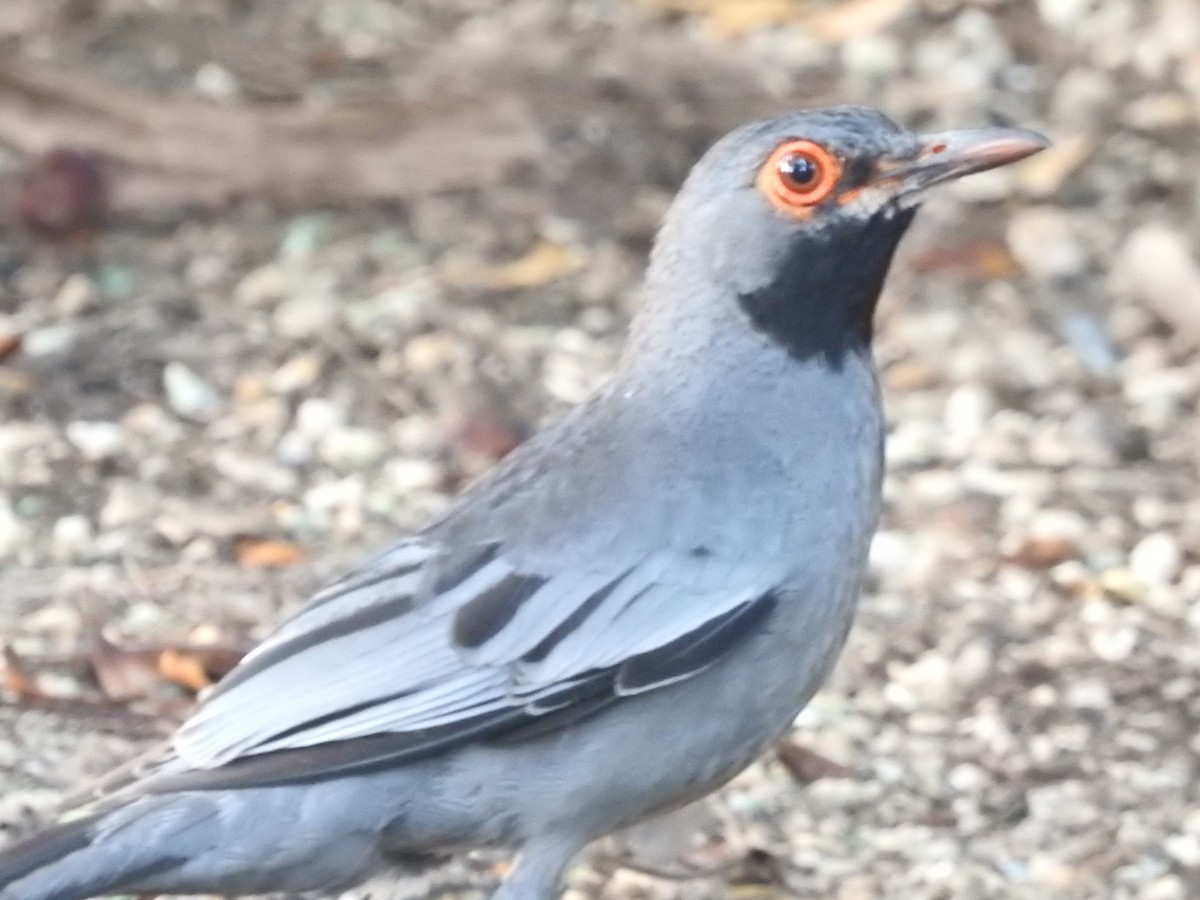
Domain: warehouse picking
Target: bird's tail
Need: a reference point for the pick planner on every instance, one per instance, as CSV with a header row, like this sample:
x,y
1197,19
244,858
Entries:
x,y
53,865
87,857
244,841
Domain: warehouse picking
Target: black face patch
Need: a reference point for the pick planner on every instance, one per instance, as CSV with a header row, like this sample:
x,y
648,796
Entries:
x,y
822,299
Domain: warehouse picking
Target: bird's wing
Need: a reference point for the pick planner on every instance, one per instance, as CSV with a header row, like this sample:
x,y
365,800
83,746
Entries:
x,y
428,646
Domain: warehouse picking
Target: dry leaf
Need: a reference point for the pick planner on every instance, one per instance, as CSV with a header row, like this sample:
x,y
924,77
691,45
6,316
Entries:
x,y
1043,174
807,766
981,260
16,383
1043,552
15,680
183,668
687,7
479,426
124,675
10,343
734,20
266,553
197,666
544,263
501,868
730,19
910,375
853,19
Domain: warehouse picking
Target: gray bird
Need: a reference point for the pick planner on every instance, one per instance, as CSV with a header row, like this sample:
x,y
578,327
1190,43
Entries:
x,y
613,622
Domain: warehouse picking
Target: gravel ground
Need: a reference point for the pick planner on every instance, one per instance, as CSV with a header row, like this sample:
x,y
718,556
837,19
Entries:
x,y
1016,713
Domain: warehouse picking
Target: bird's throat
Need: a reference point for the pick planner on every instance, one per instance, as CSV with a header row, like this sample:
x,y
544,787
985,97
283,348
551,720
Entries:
x,y
821,299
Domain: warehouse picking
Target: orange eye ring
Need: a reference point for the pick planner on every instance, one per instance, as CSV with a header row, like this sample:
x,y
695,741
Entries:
x,y
798,174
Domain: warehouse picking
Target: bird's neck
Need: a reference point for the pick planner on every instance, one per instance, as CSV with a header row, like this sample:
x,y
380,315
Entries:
x,y
812,297
725,362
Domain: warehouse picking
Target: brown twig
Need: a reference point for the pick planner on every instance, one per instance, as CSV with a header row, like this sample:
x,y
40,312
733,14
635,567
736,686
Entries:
x,y
166,154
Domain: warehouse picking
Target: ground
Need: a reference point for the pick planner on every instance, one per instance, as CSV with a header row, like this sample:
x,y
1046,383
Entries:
x,y
1015,715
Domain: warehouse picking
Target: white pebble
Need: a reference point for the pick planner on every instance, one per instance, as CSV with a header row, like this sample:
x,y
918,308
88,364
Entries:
x,y
352,448
875,54
215,82
413,474
1044,242
1184,848
1113,645
13,532
968,409
188,394
1090,693
1064,524
891,552
1157,266
71,539
1169,887
265,284
294,449
1156,559
127,502
49,341
317,417
305,316
75,296
96,440
1063,15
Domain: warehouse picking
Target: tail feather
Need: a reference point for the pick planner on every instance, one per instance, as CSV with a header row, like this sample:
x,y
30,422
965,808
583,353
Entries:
x,y
251,841
64,862
43,849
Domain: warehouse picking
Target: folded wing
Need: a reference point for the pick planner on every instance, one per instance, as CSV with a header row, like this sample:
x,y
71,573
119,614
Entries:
x,y
429,646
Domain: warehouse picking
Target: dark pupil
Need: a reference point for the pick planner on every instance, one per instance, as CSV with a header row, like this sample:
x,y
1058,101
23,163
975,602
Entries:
x,y
798,169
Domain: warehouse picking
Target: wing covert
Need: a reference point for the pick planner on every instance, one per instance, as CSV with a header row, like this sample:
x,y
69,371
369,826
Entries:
x,y
422,648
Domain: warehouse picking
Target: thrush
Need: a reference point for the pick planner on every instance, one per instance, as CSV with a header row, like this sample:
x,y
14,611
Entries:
x,y
616,619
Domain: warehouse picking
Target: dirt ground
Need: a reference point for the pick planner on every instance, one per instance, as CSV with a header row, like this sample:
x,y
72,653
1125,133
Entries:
x,y
1016,713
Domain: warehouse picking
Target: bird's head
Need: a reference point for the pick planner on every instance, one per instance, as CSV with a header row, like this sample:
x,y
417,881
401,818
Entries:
x,y
796,218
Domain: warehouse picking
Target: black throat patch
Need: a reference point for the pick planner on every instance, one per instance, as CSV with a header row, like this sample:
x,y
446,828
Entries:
x,y
822,298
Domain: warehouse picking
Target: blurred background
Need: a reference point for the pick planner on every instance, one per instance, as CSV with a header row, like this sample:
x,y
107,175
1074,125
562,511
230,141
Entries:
x,y
275,279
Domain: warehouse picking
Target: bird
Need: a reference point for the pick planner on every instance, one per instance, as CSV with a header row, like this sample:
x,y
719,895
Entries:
x,y
617,618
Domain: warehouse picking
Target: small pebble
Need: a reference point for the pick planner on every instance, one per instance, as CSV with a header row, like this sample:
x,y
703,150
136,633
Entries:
x,y
1158,268
298,373
306,316
1043,241
405,475
352,448
96,440
216,82
266,284
71,539
1156,559
13,533
53,340
76,295
317,417
188,394
1184,849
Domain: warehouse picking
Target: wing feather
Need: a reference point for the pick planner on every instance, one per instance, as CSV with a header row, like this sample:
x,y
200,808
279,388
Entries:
x,y
448,646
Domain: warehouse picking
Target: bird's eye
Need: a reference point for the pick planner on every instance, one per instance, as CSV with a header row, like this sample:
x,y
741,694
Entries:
x,y
798,175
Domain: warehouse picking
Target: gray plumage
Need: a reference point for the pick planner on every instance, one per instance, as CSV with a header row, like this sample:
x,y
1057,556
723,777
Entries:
x,y
615,621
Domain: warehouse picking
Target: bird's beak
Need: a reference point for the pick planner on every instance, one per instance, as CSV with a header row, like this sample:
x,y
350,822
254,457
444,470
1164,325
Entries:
x,y
953,154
